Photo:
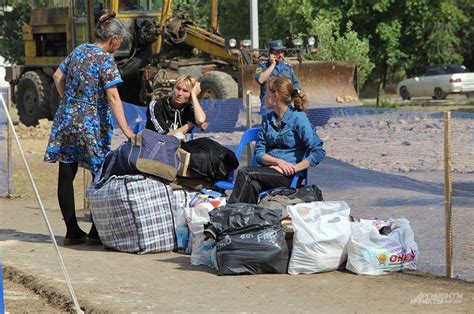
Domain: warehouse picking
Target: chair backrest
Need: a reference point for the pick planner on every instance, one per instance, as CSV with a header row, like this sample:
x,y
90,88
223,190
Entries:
x,y
248,137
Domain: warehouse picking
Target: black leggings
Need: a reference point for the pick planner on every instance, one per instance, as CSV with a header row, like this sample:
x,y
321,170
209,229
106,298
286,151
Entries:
x,y
67,173
253,180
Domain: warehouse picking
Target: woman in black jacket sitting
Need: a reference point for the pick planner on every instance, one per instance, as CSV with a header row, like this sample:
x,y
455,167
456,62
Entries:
x,y
177,113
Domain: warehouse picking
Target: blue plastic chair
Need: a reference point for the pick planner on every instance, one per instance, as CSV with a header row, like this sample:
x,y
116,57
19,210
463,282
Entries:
x,y
248,137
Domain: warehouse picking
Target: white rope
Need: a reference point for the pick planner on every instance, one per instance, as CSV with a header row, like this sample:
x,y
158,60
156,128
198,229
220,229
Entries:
x,y
38,198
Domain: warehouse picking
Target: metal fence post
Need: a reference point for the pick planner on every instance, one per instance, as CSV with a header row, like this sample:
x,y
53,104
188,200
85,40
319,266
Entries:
x,y
248,94
84,188
2,305
448,195
9,150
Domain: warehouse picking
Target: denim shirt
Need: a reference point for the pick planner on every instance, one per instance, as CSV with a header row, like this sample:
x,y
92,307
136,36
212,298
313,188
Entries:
x,y
282,68
289,140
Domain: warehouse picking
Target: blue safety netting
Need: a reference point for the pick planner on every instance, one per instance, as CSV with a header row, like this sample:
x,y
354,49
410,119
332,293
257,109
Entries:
x,y
222,115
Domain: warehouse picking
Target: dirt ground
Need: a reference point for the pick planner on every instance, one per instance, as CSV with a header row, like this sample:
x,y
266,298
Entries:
x,y
198,289
19,299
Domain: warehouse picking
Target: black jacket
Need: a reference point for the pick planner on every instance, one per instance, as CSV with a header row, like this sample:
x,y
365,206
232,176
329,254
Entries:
x,y
209,159
162,116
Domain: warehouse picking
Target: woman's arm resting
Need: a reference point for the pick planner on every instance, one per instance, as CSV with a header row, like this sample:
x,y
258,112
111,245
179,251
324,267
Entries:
x,y
115,103
199,115
184,129
60,82
287,168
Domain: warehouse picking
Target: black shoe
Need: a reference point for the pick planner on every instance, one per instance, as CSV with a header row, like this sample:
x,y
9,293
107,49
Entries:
x,y
93,241
74,241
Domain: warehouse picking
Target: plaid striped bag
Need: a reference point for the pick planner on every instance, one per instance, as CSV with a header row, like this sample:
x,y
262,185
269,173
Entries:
x,y
134,213
182,198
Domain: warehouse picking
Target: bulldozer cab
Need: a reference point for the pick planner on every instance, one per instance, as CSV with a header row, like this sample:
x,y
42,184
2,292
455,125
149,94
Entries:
x,y
85,14
139,6
81,23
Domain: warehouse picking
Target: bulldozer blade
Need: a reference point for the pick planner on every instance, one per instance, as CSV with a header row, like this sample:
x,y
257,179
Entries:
x,y
323,82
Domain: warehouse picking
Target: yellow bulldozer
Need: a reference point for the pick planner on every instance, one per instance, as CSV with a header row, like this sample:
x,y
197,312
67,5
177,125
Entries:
x,y
163,45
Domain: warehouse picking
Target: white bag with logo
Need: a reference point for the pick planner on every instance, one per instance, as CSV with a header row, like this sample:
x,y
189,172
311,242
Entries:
x,y
322,230
373,253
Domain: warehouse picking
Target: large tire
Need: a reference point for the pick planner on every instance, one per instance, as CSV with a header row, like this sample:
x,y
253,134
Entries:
x,y
439,94
218,85
404,93
32,97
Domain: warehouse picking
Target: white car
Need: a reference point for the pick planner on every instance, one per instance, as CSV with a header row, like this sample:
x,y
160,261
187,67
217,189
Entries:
x,y
438,82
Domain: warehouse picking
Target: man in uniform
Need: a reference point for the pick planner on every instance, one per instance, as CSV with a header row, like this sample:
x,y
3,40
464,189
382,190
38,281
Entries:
x,y
274,66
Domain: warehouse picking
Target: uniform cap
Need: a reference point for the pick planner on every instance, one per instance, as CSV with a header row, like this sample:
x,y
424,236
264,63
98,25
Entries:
x,y
277,45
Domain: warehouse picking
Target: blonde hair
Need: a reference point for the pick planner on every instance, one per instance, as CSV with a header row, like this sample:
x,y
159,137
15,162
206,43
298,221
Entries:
x,y
187,80
288,93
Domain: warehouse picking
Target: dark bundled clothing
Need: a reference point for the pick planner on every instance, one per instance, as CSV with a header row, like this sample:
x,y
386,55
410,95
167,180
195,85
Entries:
x,y
209,159
162,116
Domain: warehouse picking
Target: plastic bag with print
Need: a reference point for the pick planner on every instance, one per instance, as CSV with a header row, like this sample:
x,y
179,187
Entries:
x,y
378,246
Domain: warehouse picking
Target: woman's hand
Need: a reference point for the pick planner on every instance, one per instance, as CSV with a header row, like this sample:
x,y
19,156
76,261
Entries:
x,y
286,168
196,89
276,168
129,133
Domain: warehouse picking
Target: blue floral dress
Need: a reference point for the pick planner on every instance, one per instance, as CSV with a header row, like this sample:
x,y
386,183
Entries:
x,y
82,127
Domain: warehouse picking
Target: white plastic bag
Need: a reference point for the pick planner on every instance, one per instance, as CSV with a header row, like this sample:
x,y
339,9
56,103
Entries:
x,y
322,230
372,253
182,230
182,199
198,216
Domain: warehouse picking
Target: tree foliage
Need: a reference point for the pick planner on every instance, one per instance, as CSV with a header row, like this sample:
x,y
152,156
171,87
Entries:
x,y
385,37
346,45
11,39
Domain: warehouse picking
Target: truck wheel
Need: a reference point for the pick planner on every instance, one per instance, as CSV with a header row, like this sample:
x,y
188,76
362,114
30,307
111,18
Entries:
x,y
218,85
32,96
439,94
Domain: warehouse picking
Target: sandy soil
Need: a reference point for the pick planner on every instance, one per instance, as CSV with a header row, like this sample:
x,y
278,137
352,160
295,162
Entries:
x,y
398,142
19,299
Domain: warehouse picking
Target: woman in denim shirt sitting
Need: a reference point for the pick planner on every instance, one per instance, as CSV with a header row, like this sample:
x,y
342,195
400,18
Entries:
x,y
286,135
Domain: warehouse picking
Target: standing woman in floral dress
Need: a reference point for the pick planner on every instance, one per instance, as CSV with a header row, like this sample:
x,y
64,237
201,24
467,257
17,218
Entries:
x,y
82,128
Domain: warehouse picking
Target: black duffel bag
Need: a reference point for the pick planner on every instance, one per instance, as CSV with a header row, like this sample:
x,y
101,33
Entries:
x,y
250,240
